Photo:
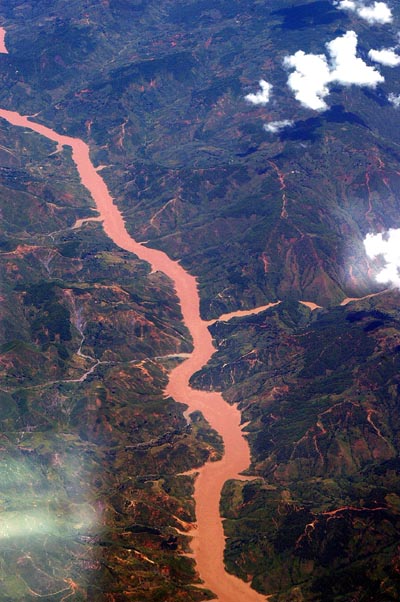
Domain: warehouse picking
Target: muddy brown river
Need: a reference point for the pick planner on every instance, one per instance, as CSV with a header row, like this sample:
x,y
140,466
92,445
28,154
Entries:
x,y
208,538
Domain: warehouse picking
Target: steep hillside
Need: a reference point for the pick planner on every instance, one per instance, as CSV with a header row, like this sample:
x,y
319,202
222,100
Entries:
x,y
320,394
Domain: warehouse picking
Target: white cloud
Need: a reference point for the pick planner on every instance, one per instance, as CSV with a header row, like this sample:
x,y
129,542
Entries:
x,y
261,97
313,73
276,126
386,56
347,5
378,12
310,78
347,68
387,246
394,99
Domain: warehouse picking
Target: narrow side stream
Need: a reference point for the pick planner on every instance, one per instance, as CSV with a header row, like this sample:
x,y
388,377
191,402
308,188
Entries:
x,y
208,537
3,48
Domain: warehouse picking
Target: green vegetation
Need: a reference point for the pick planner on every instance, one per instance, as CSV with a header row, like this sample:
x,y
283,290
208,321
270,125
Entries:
x,y
90,503
324,430
87,438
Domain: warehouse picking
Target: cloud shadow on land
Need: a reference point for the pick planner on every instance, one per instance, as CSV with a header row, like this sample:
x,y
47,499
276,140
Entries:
x,y
308,129
320,12
378,96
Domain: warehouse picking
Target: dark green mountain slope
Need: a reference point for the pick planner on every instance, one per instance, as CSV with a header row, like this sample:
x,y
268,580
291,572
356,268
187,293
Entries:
x,y
320,393
157,90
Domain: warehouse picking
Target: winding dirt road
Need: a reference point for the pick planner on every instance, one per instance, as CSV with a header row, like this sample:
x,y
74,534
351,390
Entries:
x,y
208,538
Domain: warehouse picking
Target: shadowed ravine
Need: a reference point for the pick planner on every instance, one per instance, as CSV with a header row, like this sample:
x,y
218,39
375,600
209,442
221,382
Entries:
x,y
208,538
